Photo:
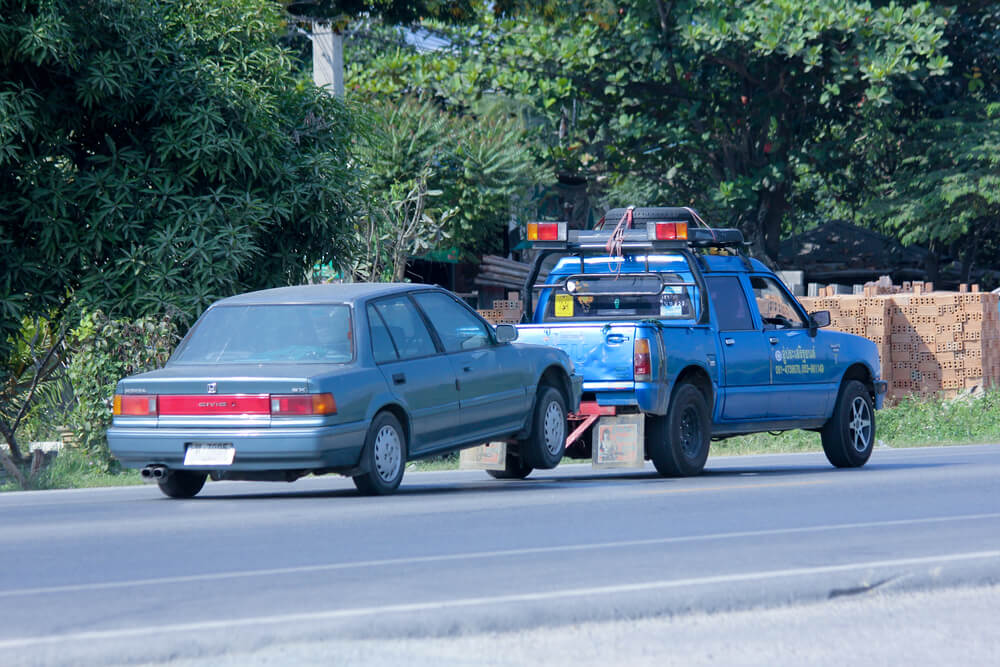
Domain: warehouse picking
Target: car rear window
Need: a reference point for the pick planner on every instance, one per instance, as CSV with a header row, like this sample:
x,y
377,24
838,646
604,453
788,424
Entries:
x,y
261,334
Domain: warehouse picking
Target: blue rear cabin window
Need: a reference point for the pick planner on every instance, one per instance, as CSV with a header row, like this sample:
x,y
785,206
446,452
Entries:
x,y
604,288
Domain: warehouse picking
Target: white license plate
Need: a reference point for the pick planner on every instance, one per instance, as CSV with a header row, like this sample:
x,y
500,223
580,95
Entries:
x,y
209,454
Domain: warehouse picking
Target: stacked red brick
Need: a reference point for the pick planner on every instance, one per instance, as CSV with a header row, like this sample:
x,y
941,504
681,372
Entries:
x,y
930,343
505,311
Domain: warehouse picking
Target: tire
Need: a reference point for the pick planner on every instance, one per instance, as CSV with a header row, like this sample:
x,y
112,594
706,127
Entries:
x,y
182,483
384,456
849,436
514,469
545,446
678,442
645,214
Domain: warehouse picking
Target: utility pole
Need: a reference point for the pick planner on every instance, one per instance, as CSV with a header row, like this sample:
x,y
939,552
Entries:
x,y
328,57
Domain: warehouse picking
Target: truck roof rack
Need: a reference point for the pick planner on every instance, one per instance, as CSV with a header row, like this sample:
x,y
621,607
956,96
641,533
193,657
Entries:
x,y
639,239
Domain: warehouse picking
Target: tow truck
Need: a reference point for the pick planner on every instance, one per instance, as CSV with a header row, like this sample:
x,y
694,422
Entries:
x,y
681,339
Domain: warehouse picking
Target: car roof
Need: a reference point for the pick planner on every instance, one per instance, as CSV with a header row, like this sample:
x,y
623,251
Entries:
x,y
325,293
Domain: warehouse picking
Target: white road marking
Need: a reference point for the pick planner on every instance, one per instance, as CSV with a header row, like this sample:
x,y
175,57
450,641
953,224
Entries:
x,y
458,603
327,567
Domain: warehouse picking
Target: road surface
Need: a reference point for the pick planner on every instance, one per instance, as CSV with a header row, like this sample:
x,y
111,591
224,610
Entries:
x,y
255,569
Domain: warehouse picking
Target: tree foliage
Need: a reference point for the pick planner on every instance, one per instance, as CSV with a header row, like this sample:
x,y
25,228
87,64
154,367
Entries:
x,y
686,101
478,167
157,156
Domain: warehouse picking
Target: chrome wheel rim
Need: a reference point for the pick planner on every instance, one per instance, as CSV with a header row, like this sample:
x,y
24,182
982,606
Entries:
x,y
860,426
388,453
554,428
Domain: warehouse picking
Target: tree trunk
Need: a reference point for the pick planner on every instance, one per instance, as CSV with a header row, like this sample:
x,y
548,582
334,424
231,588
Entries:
x,y
8,434
765,235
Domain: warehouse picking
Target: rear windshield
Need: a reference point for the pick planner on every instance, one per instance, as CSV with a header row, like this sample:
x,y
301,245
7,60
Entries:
x,y
663,296
261,334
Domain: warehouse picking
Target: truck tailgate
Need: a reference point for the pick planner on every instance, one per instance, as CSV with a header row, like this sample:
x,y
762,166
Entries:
x,y
601,352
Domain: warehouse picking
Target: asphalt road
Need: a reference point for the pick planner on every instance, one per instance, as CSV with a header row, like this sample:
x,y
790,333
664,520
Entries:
x,y
125,575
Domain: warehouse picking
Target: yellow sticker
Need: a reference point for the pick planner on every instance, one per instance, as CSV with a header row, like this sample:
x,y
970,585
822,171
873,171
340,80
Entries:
x,y
564,305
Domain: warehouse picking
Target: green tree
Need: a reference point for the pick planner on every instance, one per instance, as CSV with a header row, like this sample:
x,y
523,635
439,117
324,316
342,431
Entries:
x,y
479,167
687,101
157,156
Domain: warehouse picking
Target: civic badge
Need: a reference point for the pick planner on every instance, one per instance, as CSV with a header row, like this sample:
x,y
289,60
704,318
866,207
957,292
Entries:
x,y
213,387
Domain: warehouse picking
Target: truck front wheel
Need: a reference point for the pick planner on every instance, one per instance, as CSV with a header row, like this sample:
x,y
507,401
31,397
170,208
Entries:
x,y
849,435
678,442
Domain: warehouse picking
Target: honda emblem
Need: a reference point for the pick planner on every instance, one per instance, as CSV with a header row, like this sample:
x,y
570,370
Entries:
x,y
212,387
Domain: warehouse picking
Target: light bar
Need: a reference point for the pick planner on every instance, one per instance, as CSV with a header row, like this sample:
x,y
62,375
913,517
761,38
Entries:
x,y
667,231
546,231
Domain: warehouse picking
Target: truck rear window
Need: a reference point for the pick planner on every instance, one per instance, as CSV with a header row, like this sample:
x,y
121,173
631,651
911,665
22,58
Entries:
x,y
663,296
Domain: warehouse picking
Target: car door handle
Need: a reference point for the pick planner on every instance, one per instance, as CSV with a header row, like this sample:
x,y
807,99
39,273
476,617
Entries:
x,y
774,341
615,339
399,378
730,341
467,369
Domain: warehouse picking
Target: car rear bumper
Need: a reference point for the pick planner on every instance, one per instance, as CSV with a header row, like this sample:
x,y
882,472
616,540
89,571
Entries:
x,y
257,449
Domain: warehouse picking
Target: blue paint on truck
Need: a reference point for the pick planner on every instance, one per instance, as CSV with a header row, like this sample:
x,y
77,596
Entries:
x,y
647,319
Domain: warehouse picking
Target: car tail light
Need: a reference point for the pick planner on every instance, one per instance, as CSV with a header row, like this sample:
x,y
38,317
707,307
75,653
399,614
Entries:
x,y
302,404
641,365
135,406
667,231
546,231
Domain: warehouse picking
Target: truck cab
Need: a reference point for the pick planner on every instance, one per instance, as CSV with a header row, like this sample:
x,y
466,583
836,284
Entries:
x,y
681,336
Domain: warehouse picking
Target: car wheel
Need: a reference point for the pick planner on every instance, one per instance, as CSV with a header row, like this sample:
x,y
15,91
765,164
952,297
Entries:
x,y
514,468
678,442
545,446
849,436
182,483
384,456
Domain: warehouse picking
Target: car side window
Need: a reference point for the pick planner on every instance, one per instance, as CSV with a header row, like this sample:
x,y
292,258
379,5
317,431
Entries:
x,y
731,305
776,308
406,328
383,349
457,327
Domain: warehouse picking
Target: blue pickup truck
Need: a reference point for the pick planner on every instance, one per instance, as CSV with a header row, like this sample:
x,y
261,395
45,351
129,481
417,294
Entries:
x,y
682,337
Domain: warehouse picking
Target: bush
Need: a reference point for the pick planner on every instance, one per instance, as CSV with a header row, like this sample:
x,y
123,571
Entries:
x,y
107,350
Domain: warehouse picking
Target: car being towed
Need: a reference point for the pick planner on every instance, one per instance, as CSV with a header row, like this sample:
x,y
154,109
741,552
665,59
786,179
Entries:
x,y
353,379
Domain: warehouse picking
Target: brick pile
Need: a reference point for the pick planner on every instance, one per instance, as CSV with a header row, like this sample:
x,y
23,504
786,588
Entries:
x,y
930,343
505,311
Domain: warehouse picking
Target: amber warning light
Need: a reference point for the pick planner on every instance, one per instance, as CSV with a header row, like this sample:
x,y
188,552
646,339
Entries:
x,y
546,231
667,231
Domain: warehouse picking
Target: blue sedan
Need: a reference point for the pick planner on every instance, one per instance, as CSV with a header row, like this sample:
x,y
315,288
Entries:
x,y
355,379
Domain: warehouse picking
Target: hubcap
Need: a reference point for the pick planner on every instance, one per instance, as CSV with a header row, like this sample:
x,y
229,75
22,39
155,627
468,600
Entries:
x,y
554,428
388,453
860,426
690,434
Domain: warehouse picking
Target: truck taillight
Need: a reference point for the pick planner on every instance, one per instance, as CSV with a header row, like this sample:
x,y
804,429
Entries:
x,y
546,231
134,406
292,405
641,365
667,231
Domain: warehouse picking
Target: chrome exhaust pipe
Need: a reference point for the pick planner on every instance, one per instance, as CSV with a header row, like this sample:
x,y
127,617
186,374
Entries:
x,y
154,473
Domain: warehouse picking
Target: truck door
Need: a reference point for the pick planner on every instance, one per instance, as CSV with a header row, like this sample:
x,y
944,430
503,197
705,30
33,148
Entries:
x,y
803,373
747,372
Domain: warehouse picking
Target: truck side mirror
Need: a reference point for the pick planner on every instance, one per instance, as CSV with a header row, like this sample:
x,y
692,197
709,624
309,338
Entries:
x,y
818,320
506,333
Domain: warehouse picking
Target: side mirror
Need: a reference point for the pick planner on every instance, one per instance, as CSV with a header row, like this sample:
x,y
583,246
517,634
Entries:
x,y
818,320
506,333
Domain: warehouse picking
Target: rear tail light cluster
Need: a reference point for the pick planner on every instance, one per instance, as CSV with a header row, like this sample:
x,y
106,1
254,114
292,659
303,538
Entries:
x,y
641,364
275,405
